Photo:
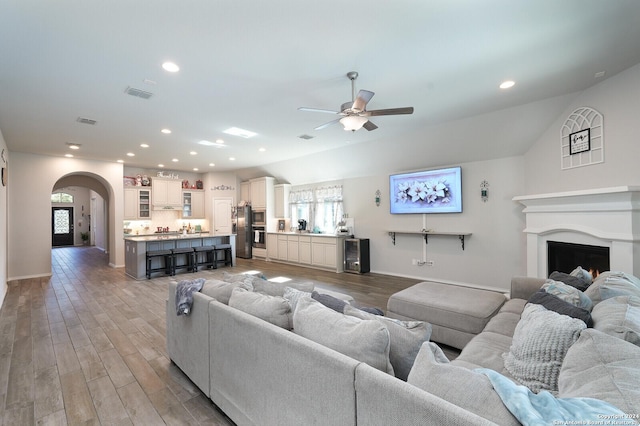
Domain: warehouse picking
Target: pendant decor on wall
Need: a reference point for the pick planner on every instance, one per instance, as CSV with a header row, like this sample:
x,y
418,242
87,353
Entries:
x,y
582,139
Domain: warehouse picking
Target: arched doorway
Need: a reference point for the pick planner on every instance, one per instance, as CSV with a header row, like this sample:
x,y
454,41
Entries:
x,y
89,215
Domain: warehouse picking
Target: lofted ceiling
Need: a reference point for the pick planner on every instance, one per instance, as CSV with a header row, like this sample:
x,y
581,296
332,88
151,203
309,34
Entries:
x,y
251,64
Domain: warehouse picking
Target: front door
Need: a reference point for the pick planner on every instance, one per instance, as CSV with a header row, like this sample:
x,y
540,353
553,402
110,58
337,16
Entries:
x,y
62,226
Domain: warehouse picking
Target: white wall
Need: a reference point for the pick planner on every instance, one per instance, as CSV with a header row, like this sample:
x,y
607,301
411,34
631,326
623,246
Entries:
x,y
99,216
492,255
3,225
618,100
30,209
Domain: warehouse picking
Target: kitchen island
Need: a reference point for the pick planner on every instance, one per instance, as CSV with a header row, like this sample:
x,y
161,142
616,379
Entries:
x,y
136,247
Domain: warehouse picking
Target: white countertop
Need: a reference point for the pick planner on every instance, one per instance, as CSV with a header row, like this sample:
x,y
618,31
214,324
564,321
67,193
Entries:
x,y
156,237
311,234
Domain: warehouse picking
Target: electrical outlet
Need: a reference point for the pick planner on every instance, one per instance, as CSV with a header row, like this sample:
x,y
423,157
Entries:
x,y
429,262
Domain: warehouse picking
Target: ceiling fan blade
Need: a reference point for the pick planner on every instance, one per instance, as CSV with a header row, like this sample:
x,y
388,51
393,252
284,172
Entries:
x,y
369,126
318,110
330,123
390,111
360,103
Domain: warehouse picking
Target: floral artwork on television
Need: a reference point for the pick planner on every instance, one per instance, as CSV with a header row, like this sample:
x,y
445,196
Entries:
x,y
429,191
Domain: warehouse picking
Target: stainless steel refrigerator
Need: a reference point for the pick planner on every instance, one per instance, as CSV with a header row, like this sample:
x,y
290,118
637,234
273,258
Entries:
x,y
243,231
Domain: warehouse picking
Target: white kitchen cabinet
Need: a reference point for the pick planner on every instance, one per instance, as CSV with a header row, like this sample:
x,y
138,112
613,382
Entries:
x,y
245,191
193,204
167,194
262,192
272,246
283,248
304,250
281,196
137,203
293,248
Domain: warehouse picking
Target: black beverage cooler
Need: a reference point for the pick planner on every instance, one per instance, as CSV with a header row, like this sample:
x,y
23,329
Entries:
x,y
356,255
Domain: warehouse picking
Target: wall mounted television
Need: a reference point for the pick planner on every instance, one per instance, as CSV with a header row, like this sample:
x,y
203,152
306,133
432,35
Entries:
x,y
428,191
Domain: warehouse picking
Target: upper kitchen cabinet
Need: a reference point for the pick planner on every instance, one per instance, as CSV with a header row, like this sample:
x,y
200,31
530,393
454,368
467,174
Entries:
x,y
281,194
167,194
262,192
137,203
245,191
193,204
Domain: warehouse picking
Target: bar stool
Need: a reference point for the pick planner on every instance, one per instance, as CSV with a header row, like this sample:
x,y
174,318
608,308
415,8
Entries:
x,y
204,256
226,249
166,265
188,259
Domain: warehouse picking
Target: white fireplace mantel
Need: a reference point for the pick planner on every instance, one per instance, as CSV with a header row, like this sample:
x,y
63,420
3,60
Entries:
x,y
607,217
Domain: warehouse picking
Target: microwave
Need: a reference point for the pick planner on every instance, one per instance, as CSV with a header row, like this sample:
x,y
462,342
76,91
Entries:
x,y
258,217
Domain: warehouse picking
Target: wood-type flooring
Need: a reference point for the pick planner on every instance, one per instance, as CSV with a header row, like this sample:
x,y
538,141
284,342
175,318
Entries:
x,y
86,346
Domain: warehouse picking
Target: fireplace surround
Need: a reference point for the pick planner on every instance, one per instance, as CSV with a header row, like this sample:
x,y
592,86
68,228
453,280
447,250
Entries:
x,y
604,217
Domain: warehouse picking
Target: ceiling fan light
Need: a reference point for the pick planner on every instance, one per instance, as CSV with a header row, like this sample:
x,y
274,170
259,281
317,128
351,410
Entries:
x,y
353,122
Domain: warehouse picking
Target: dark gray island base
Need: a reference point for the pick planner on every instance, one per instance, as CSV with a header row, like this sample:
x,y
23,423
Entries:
x,y
136,248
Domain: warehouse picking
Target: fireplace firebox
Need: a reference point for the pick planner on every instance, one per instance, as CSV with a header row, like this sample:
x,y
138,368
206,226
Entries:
x,y
565,257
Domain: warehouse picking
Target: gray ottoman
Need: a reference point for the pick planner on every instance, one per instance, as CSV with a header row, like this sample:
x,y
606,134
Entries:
x,y
456,313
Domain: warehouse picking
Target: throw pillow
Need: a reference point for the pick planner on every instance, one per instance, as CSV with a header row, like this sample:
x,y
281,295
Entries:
x,y
603,367
329,301
221,290
583,275
540,341
293,295
471,391
554,303
568,294
244,278
611,284
277,289
619,317
406,338
363,340
569,280
273,309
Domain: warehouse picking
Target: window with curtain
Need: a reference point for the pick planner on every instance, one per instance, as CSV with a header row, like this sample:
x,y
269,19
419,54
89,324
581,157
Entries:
x,y
321,207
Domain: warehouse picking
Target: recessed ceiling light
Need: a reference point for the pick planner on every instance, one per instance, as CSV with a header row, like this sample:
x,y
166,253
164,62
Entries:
x,y
212,165
165,131
193,153
120,161
195,169
72,145
599,74
130,154
232,158
206,143
507,84
262,149
235,131
219,141
69,155
175,160
160,165
144,145
170,66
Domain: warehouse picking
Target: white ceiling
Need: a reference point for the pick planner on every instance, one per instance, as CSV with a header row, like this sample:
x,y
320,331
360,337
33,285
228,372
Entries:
x,y
251,64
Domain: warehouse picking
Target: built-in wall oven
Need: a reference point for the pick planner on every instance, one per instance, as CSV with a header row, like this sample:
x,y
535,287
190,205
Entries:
x,y
259,237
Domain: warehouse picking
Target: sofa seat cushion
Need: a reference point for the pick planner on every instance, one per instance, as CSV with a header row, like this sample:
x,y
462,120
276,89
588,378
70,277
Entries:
x,y
364,340
463,310
503,323
485,350
432,372
604,367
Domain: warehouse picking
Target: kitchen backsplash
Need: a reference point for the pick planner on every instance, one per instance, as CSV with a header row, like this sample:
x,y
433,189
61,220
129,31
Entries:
x,y
164,219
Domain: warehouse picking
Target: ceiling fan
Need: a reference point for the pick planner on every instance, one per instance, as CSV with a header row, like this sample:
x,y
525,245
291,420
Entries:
x,y
354,114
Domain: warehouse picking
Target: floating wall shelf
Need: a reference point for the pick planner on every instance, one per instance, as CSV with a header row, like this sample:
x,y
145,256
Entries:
x,y
425,234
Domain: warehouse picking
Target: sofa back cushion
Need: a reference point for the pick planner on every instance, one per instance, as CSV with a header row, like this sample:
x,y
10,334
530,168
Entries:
x,y
540,342
611,284
221,290
603,367
406,337
619,317
364,340
273,309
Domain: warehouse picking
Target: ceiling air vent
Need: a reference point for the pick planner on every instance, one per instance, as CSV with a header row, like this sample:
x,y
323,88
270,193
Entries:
x,y
84,120
305,137
138,93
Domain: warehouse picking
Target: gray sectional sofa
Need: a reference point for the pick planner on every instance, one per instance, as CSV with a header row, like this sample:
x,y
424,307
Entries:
x,y
262,374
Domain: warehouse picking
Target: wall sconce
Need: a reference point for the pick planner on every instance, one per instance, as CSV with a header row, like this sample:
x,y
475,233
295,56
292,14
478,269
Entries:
x,y
484,191
378,194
